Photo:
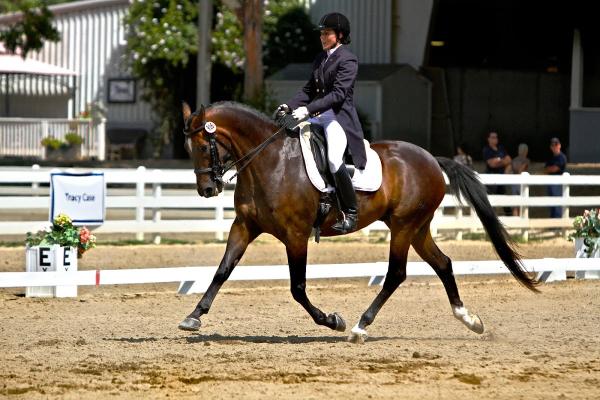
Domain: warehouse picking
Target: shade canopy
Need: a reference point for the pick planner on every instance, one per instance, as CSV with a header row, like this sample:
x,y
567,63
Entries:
x,y
15,64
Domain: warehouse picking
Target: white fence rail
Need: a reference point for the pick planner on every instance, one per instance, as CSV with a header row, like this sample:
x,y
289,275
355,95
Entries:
x,y
143,189
22,137
197,279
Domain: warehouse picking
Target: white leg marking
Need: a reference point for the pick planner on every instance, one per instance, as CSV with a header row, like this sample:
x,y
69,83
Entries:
x,y
357,335
472,321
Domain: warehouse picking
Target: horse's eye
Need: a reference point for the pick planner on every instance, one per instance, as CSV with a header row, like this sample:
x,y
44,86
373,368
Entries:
x,y
203,148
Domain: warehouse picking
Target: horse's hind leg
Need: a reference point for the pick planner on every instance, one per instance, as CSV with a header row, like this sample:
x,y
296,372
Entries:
x,y
396,274
297,264
442,265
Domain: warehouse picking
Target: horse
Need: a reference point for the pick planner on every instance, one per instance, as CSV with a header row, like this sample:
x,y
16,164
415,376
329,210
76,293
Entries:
x,y
273,195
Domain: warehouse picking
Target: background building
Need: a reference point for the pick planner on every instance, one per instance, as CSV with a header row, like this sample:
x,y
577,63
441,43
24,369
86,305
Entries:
x,y
93,39
529,70
433,72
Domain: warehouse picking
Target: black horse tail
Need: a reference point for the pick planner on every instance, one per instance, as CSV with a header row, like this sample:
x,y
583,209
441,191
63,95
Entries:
x,y
463,180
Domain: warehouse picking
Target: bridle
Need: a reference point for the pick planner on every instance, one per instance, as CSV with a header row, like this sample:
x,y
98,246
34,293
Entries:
x,y
217,169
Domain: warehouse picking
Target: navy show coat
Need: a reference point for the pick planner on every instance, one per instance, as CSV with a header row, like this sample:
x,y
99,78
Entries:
x,y
331,85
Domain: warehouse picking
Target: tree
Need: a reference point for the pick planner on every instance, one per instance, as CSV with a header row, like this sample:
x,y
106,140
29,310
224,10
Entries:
x,y
250,16
287,35
31,30
161,45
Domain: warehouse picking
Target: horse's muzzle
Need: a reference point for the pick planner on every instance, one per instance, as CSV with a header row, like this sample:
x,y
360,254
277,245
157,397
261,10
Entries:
x,y
208,192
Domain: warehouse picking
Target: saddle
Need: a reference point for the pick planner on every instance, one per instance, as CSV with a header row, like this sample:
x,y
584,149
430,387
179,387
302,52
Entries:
x,y
318,147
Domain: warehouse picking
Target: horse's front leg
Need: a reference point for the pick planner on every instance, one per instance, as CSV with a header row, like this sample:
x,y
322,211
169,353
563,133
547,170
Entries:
x,y
240,236
297,264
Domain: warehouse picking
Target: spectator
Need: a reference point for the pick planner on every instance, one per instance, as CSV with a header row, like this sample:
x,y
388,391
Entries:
x,y
462,155
555,166
497,161
519,164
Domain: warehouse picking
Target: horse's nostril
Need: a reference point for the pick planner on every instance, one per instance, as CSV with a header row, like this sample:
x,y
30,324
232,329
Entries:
x,y
208,192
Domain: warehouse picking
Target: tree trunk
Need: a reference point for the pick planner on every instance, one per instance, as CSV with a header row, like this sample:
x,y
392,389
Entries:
x,y
205,13
250,15
253,71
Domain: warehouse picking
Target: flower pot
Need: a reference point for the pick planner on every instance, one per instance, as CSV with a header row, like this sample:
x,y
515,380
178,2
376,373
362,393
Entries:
x,y
53,154
72,153
52,258
582,251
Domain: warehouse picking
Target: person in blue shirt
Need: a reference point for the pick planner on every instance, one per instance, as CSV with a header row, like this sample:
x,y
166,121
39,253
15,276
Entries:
x,y
497,161
556,165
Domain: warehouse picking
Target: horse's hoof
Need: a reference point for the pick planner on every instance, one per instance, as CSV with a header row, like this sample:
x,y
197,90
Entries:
x,y
357,335
190,324
340,324
471,321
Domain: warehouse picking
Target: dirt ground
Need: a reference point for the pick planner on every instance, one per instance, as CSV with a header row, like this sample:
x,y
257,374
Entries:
x,y
257,343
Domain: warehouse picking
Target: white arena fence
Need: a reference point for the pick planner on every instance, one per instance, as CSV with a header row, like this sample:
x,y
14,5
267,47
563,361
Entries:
x,y
197,279
24,189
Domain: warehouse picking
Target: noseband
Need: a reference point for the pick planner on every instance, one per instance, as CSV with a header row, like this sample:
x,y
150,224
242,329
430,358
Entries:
x,y
217,169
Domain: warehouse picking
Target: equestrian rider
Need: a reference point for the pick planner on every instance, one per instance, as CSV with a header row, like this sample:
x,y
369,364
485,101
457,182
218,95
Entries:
x,y
327,98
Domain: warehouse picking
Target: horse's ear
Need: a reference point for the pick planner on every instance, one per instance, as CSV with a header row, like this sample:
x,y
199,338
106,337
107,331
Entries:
x,y
202,112
186,111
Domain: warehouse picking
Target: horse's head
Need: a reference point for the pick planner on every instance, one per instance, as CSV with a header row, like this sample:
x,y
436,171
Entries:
x,y
204,143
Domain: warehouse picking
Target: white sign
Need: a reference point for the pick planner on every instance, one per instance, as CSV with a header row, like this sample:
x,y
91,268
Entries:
x,y
80,196
50,259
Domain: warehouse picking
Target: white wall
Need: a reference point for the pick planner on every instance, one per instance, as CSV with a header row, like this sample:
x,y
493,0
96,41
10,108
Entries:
x,y
92,43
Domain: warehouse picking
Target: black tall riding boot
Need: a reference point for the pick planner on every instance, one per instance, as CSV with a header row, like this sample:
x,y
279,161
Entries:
x,y
347,197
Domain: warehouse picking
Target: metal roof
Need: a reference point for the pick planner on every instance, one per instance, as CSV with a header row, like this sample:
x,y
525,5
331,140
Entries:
x,y
67,8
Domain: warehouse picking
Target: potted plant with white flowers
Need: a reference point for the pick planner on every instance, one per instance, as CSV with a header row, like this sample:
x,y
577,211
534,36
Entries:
x,y
587,234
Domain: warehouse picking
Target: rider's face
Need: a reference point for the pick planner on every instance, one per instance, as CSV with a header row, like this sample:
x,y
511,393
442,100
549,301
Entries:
x,y
328,39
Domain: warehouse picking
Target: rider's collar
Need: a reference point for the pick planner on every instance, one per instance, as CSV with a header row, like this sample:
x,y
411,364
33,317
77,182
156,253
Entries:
x,y
330,51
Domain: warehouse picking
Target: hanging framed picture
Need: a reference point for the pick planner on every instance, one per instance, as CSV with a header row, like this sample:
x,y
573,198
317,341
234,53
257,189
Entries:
x,y
121,90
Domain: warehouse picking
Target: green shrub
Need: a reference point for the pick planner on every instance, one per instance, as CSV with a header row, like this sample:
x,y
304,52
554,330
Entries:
x,y
73,139
52,142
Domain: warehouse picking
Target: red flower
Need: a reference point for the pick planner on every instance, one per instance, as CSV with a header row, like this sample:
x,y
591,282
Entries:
x,y
84,235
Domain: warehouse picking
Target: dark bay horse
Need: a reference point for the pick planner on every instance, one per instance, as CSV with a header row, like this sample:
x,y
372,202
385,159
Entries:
x,y
273,195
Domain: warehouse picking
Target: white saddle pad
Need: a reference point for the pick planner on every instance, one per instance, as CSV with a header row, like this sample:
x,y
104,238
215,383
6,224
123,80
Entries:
x,y
367,180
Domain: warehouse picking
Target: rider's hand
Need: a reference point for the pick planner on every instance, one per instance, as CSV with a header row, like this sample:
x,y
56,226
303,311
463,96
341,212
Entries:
x,y
300,113
283,107
281,111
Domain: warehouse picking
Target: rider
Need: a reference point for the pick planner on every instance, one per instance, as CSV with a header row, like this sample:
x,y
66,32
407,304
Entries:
x,y
327,98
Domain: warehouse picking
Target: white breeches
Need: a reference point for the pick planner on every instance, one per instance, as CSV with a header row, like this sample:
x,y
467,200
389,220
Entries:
x,y
336,138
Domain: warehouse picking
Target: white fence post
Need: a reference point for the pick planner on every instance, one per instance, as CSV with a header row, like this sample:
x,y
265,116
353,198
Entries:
x,y
140,187
459,215
101,137
439,213
219,217
156,212
524,208
35,185
566,193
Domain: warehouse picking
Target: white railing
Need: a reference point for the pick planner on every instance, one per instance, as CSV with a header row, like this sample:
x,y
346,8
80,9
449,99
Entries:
x,y
22,137
140,190
197,279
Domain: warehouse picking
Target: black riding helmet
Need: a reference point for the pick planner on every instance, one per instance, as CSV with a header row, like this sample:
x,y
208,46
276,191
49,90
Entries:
x,y
339,23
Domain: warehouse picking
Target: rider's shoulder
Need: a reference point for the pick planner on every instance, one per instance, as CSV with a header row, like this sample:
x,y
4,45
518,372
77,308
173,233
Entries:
x,y
347,52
